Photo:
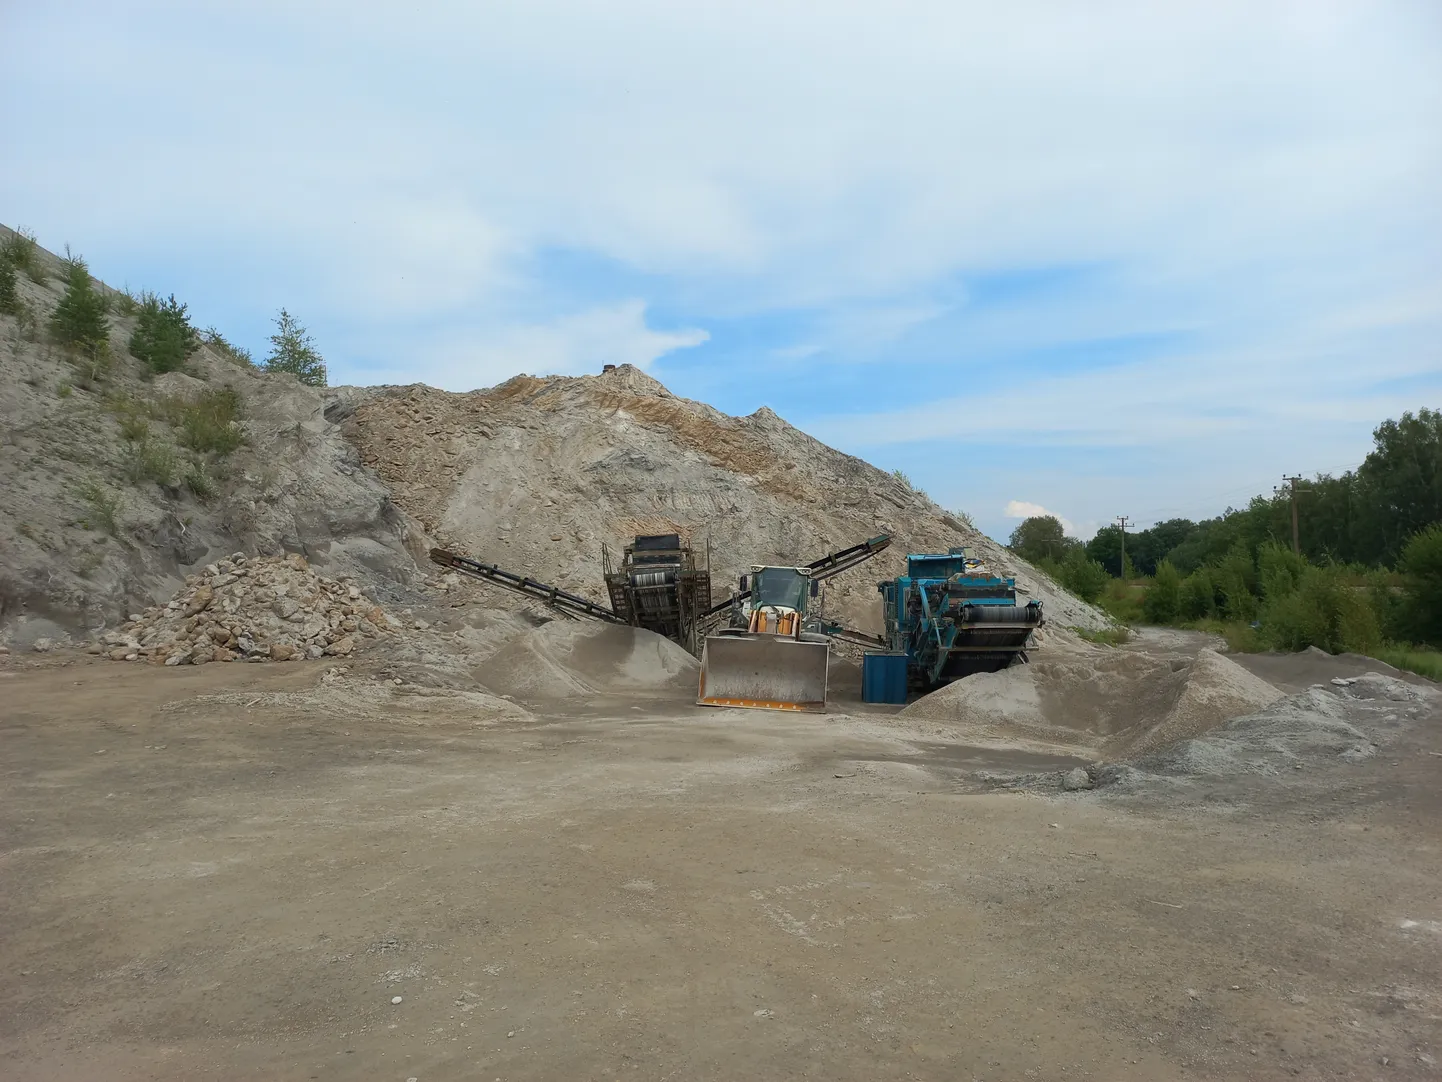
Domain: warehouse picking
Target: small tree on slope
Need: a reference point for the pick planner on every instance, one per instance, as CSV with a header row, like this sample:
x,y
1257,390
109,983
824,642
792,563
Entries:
x,y
293,350
79,319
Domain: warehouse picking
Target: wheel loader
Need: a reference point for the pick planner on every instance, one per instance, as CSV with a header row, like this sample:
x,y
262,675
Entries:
x,y
766,660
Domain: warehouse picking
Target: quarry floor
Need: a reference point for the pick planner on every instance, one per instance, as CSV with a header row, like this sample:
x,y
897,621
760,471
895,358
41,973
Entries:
x,y
205,879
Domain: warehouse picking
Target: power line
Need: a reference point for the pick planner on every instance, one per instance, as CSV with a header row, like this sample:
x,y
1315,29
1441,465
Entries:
x,y
1123,522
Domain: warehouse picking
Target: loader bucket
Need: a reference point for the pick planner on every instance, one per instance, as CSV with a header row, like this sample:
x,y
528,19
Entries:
x,y
766,672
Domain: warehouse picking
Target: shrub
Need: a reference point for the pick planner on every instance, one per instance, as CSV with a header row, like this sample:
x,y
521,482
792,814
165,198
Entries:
x,y
1197,600
163,336
134,428
1121,602
153,460
1163,601
1279,570
208,423
1326,611
1084,577
1421,567
1243,638
199,481
79,318
1233,579
293,351
126,302
9,299
104,508
22,251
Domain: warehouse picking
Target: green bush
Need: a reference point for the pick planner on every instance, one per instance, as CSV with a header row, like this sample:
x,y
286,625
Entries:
x,y
79,318
134,428
1163,601
1279,570
207,423
1198,597
163,337
1235,579
1082,576
1421,568
9,299
1121,601
1325,610
126,302
293,351
152,460
199,481
22,251
104,508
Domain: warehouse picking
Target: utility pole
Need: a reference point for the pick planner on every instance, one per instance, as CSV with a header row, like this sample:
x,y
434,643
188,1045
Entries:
x,y
1292,492
1123,522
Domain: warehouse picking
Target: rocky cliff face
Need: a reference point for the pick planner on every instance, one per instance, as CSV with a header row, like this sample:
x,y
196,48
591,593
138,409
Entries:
x,y
109,501
105,507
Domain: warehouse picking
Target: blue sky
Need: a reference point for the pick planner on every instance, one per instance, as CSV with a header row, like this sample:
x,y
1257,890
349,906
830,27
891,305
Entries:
x,y
1112,258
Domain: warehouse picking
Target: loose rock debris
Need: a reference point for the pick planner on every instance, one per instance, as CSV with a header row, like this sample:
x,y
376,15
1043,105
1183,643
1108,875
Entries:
x,y
264,609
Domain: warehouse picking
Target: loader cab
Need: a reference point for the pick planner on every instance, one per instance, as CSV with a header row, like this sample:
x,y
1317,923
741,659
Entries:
x,y
781,588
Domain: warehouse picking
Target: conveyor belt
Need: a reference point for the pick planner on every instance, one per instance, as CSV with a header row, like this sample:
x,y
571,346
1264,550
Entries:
x,y
540,591
833,563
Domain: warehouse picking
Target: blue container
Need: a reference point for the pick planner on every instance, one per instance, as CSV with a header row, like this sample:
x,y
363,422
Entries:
x,y
883,678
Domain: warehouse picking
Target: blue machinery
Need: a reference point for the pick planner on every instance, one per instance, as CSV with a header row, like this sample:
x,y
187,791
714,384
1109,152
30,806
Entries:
x,y
952,619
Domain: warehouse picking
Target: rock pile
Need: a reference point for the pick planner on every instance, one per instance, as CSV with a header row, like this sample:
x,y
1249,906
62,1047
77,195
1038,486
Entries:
x,y
238,609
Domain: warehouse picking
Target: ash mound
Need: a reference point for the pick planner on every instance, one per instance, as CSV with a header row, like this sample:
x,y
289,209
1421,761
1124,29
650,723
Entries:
x,y
1111,702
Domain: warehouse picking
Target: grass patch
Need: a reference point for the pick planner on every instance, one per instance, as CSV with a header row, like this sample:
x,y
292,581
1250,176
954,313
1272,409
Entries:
x,y
104,508
1107,636
207,423
152,460
22,251
134,428
1414,659
199,481
9,299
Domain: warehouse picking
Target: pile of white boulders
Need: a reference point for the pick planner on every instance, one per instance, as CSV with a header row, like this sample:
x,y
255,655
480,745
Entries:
x,y
239,609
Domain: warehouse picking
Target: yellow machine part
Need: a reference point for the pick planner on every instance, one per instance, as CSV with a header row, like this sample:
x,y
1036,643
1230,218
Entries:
x,y
764,672
776,623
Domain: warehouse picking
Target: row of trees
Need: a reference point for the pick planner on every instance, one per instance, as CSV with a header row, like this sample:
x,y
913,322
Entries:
x,y
163,338
1370,560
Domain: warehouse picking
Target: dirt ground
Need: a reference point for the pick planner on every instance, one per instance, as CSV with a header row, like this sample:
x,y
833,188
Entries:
x,y
229,872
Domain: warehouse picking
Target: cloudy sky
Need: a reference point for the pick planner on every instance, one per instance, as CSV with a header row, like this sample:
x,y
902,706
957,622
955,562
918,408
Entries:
x,y
1103,258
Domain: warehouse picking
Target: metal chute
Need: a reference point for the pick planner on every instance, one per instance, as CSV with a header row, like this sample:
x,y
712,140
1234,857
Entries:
x,y
767,672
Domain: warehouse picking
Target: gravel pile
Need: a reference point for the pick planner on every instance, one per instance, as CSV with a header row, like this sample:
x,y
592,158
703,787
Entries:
x,y
239,609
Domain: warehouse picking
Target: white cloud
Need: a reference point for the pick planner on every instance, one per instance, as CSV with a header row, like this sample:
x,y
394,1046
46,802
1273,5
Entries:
x,y
782,158
1025,509
572,344
1258,178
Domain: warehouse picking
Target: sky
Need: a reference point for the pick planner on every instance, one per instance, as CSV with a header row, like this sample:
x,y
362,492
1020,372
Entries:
x,y
1087,259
